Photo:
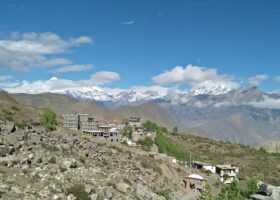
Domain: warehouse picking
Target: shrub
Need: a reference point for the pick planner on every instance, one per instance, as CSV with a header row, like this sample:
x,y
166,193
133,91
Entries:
x,y
164,193
78,190
82,159
52,160
175,131
49,119
252,187
15,108
146,143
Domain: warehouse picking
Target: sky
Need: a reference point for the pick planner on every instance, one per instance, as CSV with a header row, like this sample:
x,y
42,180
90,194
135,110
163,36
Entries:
x,y
130,43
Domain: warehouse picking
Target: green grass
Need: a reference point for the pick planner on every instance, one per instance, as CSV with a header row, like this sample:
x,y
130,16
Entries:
x,y
171,149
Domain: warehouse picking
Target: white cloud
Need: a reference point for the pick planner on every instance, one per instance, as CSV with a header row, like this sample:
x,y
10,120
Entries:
x,y
277,78
82,40
103,77
55,62
267,103
24,51
6,77
258,79
131,22
195,76
71,68
55,84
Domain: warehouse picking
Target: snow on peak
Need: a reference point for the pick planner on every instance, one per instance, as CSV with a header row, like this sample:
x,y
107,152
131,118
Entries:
x,y
213,90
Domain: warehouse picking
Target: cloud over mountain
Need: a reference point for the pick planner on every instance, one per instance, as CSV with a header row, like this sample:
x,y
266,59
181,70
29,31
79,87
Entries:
x,y
54,84
258,79
195,76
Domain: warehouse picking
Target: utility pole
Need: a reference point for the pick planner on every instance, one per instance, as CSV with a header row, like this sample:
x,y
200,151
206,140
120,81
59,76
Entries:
x,y
190,163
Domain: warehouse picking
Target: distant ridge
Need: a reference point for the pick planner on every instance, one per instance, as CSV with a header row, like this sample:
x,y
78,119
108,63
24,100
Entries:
x,y
65,104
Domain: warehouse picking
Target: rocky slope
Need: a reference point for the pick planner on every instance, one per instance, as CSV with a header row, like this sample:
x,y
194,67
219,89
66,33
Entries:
x,y
36,164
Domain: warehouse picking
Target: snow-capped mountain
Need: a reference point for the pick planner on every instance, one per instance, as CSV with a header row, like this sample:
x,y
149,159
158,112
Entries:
x,y
214,90
134,95
138,95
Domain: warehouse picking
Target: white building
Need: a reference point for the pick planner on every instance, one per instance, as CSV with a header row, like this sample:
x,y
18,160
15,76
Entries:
x,y
205,166
228,173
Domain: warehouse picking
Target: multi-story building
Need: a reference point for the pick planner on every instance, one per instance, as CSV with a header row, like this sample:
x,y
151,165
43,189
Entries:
x,y
86,124
71,122
89,125
228,173
135,121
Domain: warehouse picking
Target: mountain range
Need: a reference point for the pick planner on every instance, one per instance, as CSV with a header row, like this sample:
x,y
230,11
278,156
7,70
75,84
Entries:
x,y
246,115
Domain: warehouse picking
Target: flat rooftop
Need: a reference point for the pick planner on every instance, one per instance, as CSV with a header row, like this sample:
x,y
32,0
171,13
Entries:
x,y
201,163
226,167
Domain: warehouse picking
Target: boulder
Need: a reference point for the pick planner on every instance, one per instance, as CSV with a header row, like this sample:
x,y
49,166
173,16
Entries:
x,y
12,140
271,192
4,151
123,187
93,197
9,127
68,163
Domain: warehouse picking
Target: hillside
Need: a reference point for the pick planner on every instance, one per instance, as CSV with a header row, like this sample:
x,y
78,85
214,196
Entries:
x,y
65,104
12,110
252,162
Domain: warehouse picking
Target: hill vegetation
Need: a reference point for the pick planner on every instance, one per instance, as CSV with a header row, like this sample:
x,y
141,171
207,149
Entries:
x,y
252,162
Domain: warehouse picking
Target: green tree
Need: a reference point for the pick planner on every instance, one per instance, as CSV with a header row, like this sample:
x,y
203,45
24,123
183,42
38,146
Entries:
x,y
150,126
49,119
175,130
206,193
127,131
252,187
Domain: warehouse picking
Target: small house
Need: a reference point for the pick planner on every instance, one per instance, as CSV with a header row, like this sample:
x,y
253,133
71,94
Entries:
x,y
204,166
194,182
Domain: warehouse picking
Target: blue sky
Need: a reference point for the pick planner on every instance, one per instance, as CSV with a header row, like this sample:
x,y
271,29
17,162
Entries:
x,y
140,39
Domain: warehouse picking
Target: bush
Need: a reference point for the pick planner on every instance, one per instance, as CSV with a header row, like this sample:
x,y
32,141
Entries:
x,y
146,143
252,187
15,108
82,159
49,119
78,190
52,160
